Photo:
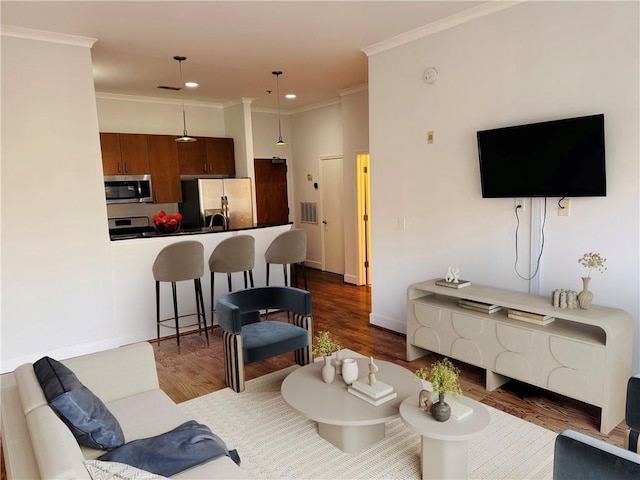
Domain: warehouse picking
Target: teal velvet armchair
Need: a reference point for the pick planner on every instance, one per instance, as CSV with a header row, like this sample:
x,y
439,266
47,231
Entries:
x,y
248,338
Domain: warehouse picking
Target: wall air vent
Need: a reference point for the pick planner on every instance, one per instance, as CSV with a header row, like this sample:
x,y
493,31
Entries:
x,y
165,87
308,212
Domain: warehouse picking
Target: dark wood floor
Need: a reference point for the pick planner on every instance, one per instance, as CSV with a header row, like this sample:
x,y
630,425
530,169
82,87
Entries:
x,y
344,310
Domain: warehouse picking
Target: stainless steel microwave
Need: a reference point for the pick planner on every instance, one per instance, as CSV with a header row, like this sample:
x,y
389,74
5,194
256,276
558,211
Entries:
x,y
128,189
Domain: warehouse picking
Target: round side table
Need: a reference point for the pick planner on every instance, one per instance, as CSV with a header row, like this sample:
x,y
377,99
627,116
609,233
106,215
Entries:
x,y
445,445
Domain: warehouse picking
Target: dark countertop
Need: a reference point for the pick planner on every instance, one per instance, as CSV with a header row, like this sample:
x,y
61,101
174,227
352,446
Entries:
x,y
192,231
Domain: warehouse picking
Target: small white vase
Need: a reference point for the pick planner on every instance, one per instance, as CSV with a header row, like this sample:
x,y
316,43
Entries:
x,y
328,370
349,370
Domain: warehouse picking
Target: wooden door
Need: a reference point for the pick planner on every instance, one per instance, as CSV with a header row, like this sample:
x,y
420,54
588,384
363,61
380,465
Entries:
x,y
135,156
221,156
192,157
165,171
111,158
272,203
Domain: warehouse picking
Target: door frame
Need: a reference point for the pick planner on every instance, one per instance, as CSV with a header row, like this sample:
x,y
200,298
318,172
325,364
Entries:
x,y
363,202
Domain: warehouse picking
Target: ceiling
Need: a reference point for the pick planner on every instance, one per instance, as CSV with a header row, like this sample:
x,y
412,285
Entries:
x,y
231,46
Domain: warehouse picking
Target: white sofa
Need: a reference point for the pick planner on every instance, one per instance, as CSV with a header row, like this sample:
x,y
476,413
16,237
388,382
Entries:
x,y
37,444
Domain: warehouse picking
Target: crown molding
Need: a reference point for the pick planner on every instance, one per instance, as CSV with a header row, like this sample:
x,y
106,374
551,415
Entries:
x,y
238,101
44,36
165,101
459,18
315,106
352,90
306,108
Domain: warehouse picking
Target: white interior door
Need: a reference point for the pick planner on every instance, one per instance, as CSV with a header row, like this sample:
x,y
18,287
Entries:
x,y
332,217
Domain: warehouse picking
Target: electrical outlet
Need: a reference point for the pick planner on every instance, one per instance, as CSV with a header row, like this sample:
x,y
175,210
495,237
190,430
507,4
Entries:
x,y
402,223
519,204
564,207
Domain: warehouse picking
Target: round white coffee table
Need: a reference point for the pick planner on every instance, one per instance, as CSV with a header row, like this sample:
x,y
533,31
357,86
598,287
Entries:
x,y
445,445
344,420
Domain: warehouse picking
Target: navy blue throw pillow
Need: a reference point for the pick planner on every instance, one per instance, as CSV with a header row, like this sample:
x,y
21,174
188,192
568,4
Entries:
x,y
86,415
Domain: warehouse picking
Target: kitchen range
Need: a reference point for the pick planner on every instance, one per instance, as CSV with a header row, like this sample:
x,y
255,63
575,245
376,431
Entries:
x,y
124,228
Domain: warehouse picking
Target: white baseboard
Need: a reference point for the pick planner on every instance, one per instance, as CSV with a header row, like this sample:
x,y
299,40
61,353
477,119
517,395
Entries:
x,y
313,264
352,279
388,323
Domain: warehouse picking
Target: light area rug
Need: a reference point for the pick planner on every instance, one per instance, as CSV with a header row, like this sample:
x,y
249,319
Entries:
x,y
275,442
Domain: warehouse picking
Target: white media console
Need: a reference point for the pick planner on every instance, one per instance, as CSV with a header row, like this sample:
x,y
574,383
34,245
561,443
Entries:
x,y
583,354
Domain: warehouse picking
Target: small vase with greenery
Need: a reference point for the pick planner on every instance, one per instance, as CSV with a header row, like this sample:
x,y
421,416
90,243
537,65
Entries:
x,y
443,376
325,346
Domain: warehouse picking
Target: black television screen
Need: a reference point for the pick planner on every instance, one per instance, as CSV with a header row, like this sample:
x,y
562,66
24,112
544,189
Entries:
x,y
560,158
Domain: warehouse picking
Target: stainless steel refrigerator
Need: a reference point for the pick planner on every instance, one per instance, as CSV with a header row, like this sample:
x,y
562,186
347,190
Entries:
x,y
218,203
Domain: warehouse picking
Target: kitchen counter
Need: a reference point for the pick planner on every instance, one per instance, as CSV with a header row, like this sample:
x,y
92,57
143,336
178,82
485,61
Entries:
x,y
134,292
190,231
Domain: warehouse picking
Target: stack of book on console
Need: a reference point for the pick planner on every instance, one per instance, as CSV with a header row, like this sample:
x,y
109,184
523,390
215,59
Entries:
x,y
376,395
478,306
459,284
535,318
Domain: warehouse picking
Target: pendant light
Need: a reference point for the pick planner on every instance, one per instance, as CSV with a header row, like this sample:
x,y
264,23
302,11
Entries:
x,y
185,137
277,73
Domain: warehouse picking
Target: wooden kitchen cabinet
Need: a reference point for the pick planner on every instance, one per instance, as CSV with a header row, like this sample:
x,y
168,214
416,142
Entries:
x,y
165,169
124,154
192,157
111,158
207,156
221,156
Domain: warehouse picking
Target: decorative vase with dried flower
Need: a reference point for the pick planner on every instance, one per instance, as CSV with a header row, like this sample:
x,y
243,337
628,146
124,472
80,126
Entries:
x,y
325,346
591,261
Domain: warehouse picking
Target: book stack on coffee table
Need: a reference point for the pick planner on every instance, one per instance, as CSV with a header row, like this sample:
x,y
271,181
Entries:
x,y
375,394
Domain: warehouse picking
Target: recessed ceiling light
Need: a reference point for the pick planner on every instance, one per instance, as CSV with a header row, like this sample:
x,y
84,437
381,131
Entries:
x,y
191,84
290,96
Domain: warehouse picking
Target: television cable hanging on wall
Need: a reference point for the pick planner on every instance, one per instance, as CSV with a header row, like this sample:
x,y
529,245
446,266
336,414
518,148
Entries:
x,y
515,263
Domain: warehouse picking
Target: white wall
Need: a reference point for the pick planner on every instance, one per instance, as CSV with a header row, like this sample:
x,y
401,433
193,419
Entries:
x,y
57,292
533,62
237,120
355,133
317,133
134,114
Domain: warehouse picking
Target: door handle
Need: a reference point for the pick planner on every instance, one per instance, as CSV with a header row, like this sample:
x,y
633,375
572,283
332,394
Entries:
x,y
324,221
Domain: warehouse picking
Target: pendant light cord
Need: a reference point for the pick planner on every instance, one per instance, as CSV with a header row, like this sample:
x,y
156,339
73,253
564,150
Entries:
x,y
184,116
277,73
185,136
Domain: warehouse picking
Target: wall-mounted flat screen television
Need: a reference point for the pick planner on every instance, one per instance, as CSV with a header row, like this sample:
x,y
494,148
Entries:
x,y
559,158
